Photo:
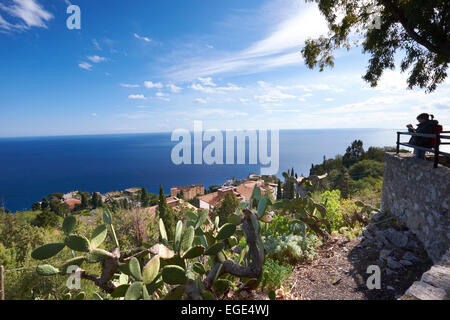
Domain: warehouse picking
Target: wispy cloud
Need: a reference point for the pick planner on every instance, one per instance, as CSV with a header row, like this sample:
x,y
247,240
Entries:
x,y
137,97
173,88
146,39
279,48
96,59
127,85
208,86
28,12
85,65
150,85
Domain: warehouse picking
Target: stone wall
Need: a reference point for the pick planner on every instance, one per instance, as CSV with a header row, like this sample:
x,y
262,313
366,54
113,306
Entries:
x,y
419,196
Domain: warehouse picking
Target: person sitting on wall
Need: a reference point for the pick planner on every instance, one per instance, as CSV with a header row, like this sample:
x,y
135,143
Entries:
x,y
426,125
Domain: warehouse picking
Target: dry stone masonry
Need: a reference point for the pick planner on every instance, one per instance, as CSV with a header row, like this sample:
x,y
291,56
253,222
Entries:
x,y
419,197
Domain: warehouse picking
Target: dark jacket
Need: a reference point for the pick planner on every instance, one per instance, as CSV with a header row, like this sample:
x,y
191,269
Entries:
x,y
425,127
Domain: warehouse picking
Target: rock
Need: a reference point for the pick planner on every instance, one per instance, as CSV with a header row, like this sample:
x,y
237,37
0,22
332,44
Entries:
x,y
438,276
424,291
391,263
406,262
410,257
390,288
385,253
397,238
390,272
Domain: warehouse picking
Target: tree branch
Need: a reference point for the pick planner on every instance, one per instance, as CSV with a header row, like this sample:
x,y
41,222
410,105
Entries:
x,y
443,50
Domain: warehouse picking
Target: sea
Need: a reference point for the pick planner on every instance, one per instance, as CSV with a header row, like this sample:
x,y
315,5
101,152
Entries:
x,y
34,167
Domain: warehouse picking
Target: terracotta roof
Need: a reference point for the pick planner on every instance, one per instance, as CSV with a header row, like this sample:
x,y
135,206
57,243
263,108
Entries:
x,y
72,203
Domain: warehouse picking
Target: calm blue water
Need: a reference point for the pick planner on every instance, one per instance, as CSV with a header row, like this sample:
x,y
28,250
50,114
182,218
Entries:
x,y
31,168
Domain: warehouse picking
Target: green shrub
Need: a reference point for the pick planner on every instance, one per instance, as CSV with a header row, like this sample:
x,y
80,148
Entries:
x,y
292,248
333,205
274,274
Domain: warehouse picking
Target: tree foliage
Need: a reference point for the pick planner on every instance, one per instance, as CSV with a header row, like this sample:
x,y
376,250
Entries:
x,y
416,29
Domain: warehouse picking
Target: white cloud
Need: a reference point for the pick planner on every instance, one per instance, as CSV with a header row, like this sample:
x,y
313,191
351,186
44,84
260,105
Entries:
x,y
207,81
272,94
201,100
280,47
93,114
85,65
215,89
329,99
244,100
137,97
96,59
96,44
30,12
142,38
150,85
173,88
127,85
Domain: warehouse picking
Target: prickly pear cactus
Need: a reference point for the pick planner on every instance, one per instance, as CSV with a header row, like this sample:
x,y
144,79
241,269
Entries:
x,y
198,264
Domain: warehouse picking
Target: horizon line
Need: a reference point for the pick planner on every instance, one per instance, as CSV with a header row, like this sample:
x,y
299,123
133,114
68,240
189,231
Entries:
x,y
168,132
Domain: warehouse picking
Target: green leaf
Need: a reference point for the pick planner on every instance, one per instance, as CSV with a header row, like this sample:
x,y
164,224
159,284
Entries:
x,y
226,231
234,219
78,243
232,241
191,215
123,278
272,295
162,232
221,285
175,294
69,224
47,251
120,291
98,236
162,251
145,294
151,270
107,218
199,268
256,194
214,249
134,291
243,205
262,205
96,296
194,252
202,216
178,230
173,274
155,285
46,270
135,269
97,255
188,238
80,296
359,204
77,261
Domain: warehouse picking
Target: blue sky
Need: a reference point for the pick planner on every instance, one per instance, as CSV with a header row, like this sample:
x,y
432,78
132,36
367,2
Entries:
x,y
152,66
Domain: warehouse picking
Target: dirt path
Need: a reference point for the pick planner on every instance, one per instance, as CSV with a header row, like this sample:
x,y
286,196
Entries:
x,y
340,274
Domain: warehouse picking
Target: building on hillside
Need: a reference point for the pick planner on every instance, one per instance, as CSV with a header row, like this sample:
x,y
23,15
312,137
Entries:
x,y
172,202
71,203
254,177
243,192
132,191
189,192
